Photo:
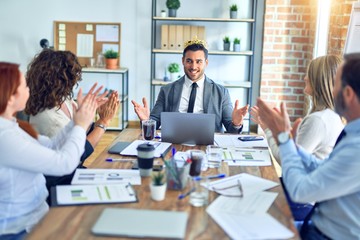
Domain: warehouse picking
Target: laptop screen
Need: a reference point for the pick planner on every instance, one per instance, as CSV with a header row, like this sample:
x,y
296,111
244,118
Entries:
x,y
187,128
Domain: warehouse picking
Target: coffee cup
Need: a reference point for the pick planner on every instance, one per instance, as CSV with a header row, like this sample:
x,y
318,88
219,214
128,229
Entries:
x,y
145,158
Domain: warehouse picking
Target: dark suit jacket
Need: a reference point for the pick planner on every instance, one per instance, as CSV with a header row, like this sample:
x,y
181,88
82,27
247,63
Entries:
x,y
216,101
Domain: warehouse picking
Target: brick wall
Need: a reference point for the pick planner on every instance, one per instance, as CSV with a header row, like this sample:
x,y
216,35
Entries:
x,y
339,21
289,32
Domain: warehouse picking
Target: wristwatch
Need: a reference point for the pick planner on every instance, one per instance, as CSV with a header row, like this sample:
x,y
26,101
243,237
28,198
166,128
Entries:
x,y
283,137
100,126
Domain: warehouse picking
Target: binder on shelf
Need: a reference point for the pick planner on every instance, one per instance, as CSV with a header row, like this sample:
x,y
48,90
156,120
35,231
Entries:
x,y
201,33
179,37
193,32
164,36
186,33
172,37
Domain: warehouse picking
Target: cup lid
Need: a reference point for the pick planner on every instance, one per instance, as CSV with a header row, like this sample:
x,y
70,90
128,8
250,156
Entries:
x,y
145,147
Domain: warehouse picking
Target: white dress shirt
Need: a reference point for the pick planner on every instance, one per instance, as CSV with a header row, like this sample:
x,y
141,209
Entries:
x,y
23,161
185,96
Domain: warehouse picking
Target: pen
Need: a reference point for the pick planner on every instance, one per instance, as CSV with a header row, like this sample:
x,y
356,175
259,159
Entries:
x,y
182,196
221,175
119,160
173,151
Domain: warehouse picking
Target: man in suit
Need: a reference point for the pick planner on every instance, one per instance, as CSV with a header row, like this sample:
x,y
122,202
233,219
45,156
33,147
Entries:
x,y
334,183
209,96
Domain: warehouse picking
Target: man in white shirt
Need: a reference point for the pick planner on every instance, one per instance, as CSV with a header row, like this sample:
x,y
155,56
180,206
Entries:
x,y
210,97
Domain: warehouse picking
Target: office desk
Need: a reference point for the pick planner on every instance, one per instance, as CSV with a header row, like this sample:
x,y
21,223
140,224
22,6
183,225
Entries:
x,y
75,222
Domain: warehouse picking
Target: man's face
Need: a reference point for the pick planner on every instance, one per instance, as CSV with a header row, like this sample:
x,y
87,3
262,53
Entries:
x,y
194,64
340,106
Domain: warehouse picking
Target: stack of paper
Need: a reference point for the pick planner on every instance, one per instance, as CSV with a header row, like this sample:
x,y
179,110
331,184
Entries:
x,y
247,156
245,217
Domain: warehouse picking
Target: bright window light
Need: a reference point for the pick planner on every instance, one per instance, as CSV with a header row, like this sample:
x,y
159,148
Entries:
x,y
322,28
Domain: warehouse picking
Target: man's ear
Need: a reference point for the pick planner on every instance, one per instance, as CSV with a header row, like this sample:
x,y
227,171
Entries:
x,y
349,95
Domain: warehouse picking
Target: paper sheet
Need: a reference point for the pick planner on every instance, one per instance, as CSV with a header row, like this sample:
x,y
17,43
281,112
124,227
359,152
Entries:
x,y
250,184
81,194
251,204
247,157
231,140
160,147
250,226
106,176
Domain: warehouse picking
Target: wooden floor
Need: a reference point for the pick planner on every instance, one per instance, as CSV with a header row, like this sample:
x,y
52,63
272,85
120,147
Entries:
x,y
109,136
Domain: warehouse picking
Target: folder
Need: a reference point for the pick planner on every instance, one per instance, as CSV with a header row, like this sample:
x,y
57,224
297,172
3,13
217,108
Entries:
x,y
164,37
179,37
186,33
201,32
193,32
172,37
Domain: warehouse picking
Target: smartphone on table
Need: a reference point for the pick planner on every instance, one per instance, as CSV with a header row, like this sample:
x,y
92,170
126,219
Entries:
x,y
250,138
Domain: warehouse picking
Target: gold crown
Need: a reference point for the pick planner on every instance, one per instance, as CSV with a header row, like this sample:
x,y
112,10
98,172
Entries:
x,y
195,40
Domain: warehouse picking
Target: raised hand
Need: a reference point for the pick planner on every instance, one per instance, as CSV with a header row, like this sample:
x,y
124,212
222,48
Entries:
x,y
239,113
143,112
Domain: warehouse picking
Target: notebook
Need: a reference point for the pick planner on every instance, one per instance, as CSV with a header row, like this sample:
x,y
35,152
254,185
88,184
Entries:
x,y
141,223
187,128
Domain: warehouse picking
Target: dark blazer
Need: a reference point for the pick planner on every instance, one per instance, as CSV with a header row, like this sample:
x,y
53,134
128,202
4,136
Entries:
x,y
216,101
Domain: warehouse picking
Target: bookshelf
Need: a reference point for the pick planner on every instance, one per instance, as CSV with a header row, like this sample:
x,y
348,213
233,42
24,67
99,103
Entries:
x,y
245,65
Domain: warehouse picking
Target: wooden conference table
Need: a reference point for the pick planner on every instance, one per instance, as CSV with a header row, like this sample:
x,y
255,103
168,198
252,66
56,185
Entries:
x,y
75,222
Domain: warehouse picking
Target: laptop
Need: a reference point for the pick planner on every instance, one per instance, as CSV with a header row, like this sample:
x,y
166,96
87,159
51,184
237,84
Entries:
x,y
187,128
141,223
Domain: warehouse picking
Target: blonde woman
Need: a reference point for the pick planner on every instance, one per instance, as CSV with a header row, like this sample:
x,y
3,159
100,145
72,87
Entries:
x,y
318,131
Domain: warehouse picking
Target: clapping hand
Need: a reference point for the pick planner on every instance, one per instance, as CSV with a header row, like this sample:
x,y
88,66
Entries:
x,y
108,110
100,100
277,120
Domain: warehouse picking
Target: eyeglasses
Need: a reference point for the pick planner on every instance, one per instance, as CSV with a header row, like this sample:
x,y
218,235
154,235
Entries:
x,y
238,185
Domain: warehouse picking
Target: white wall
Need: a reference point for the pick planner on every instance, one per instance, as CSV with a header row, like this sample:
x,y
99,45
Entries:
x,y
23,23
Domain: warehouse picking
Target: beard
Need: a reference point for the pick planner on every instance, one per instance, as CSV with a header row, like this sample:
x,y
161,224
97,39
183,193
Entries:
x,y
340,107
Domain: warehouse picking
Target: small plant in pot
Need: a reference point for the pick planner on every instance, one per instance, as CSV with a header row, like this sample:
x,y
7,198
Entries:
x,y
172,5
158,186
174,69
111,59
233,11
237,45
226,41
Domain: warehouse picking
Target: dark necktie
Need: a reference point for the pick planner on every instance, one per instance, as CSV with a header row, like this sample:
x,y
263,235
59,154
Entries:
x,y
192,98
308,217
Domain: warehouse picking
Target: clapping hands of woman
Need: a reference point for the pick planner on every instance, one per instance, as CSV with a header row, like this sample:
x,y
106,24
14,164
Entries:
x,y
87,106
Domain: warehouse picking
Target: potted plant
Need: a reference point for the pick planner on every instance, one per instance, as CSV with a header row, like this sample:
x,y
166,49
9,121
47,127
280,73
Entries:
x,y
174,69
237,45
233,11
226,41
163,13
172,5
111,59
158,186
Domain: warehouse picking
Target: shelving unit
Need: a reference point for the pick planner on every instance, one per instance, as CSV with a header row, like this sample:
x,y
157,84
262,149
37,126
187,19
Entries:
x,y
249,82
120,121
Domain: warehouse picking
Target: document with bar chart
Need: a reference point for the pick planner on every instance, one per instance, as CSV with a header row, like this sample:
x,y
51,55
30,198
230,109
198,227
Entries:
x,y
93,194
